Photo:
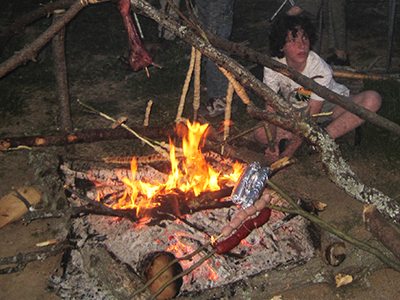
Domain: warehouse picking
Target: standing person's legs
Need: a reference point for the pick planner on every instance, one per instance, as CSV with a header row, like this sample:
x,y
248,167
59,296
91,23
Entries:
x,y
335,12
216,16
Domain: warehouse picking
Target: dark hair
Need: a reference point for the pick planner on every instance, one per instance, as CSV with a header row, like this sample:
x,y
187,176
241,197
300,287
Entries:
x,y
280,28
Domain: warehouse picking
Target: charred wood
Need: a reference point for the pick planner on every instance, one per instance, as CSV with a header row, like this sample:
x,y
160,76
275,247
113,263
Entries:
x,y
22,259
172,206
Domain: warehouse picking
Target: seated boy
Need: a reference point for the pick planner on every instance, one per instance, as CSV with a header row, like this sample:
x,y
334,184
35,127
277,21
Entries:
x,y
290,40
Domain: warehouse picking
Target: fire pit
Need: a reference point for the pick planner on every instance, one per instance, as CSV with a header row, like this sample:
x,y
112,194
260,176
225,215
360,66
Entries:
x,y
176,228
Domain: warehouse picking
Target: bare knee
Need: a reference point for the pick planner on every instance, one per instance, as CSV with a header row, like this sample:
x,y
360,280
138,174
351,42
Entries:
x,y
370,100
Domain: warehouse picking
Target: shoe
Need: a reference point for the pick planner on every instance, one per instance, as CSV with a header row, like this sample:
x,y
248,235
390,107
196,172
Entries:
x,y
338,61
216,106
283,143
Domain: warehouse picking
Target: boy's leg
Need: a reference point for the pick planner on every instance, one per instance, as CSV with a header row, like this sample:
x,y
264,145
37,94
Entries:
x,y
345,121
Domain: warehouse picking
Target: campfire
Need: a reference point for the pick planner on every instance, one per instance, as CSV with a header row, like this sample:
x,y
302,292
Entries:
x,y
169,221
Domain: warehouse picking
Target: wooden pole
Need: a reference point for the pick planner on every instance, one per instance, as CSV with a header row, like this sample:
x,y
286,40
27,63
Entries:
x,y
60,71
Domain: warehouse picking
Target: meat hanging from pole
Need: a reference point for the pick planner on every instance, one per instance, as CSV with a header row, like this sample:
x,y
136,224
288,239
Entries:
x,y
139,57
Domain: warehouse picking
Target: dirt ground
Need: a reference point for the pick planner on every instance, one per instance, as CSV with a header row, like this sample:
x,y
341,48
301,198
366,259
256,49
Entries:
x,y
113,92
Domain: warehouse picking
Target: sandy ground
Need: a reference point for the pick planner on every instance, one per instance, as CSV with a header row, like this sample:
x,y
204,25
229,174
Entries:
x,y
305,180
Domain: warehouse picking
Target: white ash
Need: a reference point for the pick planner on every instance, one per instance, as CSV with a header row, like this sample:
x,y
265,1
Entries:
x,y
131,242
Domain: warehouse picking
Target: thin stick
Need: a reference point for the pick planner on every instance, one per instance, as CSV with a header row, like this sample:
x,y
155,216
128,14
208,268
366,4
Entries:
x,y
147,115
156,148
186,86
297,209
244,133
360,76
197,71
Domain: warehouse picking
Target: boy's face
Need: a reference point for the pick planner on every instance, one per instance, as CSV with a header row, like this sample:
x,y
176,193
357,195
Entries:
x,y
296,49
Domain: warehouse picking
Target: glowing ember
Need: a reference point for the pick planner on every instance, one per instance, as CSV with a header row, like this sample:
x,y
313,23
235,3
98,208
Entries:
x,y
191,174
180,249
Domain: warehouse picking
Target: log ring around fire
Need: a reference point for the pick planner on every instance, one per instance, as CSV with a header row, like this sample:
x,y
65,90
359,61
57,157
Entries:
x,y
152,264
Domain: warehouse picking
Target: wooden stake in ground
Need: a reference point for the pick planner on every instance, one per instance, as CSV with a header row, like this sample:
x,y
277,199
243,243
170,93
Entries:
x,y
239,89
147,115
197,71
60,70
186,86
228,112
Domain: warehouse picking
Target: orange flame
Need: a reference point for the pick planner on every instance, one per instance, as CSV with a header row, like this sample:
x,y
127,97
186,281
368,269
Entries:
x,y
192,174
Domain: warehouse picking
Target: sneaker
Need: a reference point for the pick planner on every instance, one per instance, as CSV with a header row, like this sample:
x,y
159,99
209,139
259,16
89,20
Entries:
x,y
338,61
216,106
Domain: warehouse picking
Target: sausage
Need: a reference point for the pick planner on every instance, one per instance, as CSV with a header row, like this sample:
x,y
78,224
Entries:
x,y
243,231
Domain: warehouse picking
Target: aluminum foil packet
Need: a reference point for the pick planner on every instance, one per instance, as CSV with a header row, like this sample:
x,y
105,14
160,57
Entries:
x,y
250,185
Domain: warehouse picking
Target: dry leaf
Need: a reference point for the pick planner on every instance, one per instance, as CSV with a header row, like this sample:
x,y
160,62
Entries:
x,y
318,205
341,279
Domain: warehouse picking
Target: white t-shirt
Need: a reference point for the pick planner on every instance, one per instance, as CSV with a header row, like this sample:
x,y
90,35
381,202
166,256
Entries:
x,y
315,68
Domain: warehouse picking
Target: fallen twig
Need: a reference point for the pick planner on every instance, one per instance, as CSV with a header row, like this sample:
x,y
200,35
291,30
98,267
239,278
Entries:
x,y
22,259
